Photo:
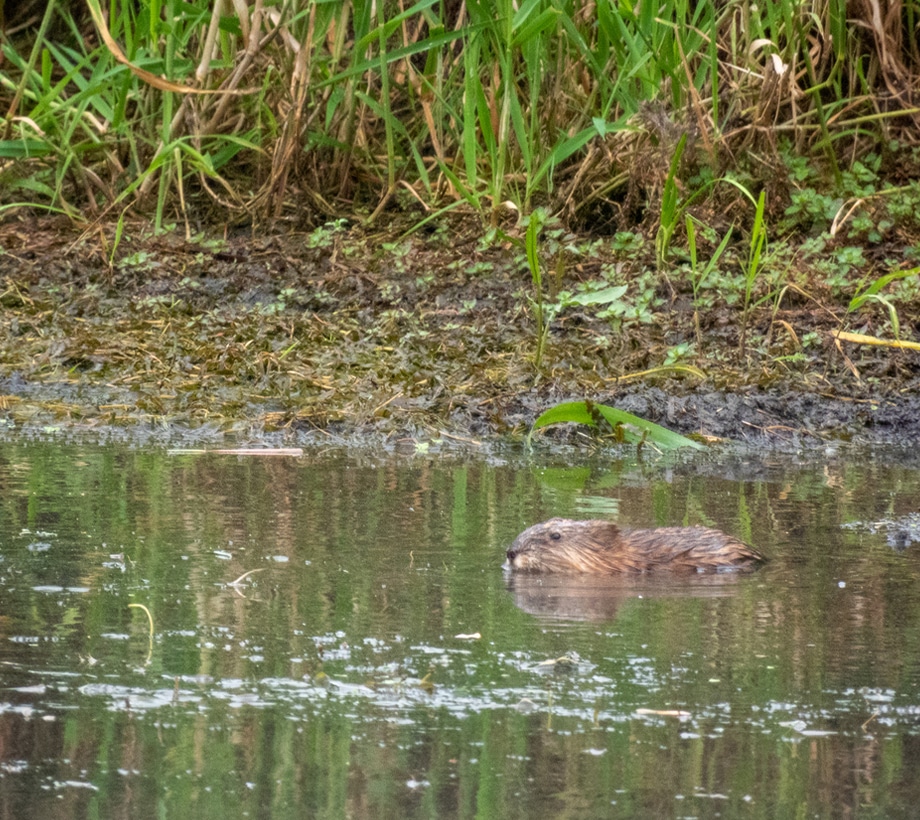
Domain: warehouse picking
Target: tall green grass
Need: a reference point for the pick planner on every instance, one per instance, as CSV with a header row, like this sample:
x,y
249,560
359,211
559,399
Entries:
x,y
348,105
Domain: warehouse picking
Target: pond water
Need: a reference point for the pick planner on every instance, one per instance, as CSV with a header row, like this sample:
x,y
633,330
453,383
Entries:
x,y
202,635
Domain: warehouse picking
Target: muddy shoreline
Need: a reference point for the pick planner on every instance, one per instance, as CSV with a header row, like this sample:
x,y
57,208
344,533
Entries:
x,y
350,336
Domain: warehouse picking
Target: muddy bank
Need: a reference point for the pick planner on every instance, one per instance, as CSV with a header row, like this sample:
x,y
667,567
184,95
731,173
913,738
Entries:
x,y
786,419
339,333
789,416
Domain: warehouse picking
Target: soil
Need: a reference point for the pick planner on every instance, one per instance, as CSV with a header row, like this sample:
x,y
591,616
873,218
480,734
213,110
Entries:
x,y
342,333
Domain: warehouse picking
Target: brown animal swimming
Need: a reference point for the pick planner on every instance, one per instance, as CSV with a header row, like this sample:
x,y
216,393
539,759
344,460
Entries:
x,y
602,548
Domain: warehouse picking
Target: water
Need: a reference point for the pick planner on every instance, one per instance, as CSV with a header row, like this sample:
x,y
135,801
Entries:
x,y
333,636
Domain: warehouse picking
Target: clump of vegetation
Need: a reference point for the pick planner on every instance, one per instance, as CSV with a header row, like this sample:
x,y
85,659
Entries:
x,y
272,111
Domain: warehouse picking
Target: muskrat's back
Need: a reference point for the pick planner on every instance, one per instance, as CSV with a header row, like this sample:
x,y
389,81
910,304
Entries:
x,y
601,547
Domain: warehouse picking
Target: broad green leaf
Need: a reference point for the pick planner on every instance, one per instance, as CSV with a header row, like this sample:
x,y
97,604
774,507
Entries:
x,y
599,297
657,434
575,412
586,412
19,149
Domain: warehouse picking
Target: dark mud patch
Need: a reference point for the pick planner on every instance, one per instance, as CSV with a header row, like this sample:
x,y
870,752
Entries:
x,y
790,416
341,333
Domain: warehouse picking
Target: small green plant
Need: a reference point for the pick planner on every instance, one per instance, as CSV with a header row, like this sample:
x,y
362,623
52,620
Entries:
x,y
677,354
671,207
626,427
627,243
589,296
545,310
699,275
324,236
755,256
873,294
279,305
542,320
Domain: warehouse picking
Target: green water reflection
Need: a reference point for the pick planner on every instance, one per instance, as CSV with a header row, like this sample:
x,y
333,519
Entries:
x,y
379,664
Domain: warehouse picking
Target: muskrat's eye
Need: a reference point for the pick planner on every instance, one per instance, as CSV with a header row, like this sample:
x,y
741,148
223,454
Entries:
x,y
555,536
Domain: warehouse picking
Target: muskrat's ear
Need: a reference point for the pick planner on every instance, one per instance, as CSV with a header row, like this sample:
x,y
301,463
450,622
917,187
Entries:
x,y
609,533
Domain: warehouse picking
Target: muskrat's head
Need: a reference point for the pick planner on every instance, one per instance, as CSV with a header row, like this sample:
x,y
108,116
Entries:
x,y
561,545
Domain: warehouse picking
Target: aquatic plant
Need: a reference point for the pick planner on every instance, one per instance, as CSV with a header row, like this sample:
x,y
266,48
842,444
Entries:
x,y
626,427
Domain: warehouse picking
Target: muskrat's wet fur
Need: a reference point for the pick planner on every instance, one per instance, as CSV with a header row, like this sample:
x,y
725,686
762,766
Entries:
x,y
601,547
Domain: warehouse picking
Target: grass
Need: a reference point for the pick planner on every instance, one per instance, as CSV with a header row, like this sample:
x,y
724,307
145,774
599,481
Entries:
x,y
345,106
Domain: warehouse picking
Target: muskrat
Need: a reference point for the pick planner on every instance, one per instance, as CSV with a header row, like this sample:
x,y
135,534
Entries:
x,y
601,547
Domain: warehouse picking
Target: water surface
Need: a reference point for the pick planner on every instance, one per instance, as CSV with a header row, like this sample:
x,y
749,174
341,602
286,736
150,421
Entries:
x,y
333,636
